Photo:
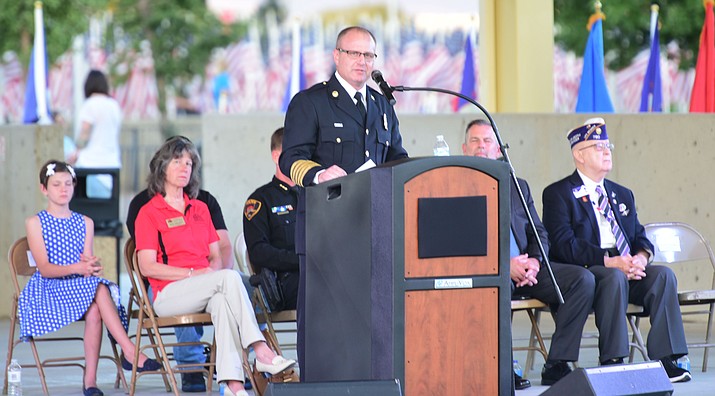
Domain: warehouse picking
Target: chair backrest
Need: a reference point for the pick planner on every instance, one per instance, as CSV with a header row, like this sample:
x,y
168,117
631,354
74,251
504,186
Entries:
x,y
129,256
19,262
677,242
140,293
240,250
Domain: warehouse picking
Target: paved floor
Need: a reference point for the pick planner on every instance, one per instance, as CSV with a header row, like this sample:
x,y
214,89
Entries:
x,y
68,381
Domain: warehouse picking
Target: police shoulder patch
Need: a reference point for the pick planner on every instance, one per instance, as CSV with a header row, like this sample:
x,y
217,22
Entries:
x,y
252,208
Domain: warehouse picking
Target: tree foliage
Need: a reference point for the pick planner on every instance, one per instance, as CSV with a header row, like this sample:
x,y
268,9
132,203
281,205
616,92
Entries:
x,y
182,35
64,19
627,25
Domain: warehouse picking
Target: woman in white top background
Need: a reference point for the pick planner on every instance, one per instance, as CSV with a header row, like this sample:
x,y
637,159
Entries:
x,y
97,138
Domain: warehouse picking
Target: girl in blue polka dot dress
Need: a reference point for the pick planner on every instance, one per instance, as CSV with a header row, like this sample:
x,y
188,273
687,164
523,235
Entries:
x,y
67,285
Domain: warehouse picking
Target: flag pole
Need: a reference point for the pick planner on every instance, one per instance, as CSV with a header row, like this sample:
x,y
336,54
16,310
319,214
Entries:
x,y
40,75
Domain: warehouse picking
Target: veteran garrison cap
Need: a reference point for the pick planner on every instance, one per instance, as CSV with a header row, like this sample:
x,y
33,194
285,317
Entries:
x,y
592,129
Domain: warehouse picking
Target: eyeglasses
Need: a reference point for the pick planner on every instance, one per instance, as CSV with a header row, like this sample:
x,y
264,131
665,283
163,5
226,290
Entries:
x,y
369,56
600,146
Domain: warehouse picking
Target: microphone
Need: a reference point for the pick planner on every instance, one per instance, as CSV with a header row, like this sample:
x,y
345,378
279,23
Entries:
x,y
385,88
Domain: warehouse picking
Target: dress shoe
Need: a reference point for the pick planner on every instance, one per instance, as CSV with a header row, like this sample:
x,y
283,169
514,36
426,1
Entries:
x,y
278,364
521,383
193,382
675,373
149,365
613,361
92,391
553,372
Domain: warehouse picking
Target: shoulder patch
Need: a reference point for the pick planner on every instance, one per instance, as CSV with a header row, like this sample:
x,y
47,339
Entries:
x,y
252,208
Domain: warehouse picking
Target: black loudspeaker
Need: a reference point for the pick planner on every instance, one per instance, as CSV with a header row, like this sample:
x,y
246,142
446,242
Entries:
x,y
340,388
647,378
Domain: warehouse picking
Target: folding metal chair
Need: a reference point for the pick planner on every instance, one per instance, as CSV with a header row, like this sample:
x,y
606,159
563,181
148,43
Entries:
x,y
531,306
680,243
21,271
152,324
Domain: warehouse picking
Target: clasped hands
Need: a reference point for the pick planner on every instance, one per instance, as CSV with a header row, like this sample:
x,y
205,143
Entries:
x,y
523,270
90,266
632,266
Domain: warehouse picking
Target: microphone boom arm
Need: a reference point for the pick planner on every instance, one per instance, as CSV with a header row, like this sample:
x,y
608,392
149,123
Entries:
x,y
514,179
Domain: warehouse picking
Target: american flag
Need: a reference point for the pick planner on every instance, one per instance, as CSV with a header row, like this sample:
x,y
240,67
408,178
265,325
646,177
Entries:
x,y
277,73
246,68
138,98
567,76
629,82
60,81
13,93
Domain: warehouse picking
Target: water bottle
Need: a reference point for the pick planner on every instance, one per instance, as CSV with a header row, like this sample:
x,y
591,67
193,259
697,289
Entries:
x,y
222,388
14,378
517,368
684,363
441,149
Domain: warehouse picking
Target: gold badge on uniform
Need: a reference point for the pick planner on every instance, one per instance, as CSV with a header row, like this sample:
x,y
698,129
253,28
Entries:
x,y
175,222
251,209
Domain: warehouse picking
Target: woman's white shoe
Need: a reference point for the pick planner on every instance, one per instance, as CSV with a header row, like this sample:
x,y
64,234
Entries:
x,y
278,364
228,392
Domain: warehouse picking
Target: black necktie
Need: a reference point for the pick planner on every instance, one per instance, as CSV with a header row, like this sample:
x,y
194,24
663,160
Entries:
x,y
361,107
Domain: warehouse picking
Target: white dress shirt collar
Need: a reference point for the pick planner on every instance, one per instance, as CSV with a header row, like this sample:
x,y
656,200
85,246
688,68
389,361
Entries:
x,y
607,239
351,90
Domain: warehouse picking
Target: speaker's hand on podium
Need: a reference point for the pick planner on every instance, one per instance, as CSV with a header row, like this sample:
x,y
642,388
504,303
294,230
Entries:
x,y
331,173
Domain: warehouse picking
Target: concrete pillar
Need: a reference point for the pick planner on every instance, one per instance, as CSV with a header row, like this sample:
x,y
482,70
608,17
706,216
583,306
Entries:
x,y
516,47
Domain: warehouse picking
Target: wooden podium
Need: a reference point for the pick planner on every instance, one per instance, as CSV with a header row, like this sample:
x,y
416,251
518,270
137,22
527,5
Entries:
x,y
396,285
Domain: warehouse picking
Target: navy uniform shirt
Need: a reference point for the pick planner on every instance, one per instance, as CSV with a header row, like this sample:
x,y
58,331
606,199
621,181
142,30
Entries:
x,y
323,127
269,229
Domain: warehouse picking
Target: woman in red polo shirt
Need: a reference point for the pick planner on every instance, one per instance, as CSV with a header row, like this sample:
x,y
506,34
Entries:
x,y
177,248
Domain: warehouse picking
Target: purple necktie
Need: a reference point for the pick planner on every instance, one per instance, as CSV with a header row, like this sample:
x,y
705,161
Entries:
x,y
605,209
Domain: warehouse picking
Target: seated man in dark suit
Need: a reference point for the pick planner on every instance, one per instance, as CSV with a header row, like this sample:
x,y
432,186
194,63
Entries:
x,y
577,284
269,227
592,222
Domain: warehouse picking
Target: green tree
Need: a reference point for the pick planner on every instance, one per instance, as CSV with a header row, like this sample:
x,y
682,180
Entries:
x,y
182,35
64,19
627,25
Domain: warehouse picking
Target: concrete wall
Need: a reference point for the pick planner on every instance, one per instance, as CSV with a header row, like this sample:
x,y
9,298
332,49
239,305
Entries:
x,y
23,150
665,159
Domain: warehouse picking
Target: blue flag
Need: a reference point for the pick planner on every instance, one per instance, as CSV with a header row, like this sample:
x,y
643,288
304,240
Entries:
x,y
652,94
592,93
37,108
468,83
296,80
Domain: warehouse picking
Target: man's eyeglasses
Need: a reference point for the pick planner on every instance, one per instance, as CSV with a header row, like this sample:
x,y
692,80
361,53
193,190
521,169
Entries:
x,y
369,56
600,146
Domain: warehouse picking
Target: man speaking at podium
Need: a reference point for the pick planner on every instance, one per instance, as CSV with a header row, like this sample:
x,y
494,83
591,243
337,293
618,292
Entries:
x,y
577,283
333,128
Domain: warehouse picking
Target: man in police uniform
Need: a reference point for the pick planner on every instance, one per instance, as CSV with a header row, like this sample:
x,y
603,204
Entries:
x,y
269,227
334,127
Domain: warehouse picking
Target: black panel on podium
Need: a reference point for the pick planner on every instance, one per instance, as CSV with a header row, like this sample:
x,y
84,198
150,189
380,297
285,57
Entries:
x,y
366,285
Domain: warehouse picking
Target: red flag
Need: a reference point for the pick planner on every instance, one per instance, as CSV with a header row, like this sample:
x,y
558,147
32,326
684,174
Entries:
x,y
702,99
